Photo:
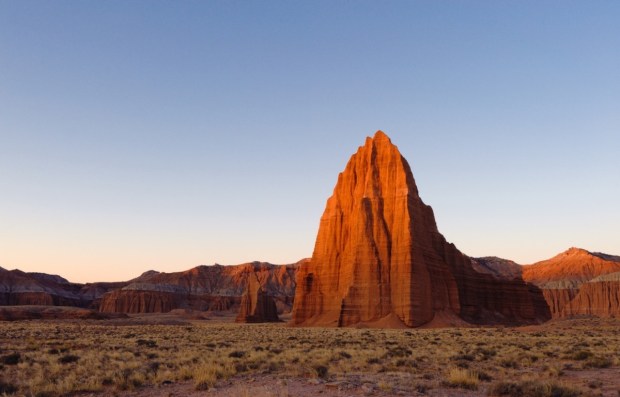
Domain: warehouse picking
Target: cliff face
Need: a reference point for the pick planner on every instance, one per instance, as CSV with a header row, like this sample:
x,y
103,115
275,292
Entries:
x,y
595,298
256,305
212,288
379,256
578,282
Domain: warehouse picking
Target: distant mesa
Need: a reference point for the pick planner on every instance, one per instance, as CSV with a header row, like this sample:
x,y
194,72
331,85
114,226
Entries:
x,y
380,260
578,282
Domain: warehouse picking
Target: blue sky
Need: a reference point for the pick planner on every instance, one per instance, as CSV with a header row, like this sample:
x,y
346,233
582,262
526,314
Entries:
x,y
163,135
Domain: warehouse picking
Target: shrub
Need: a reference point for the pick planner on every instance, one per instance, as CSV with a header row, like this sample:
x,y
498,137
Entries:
x,y
236,354
581,355
68,358
345,355
11,359
509,363
321,371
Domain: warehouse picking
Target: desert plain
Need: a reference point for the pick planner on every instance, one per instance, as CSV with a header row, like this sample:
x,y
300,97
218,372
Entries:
x,y
186,354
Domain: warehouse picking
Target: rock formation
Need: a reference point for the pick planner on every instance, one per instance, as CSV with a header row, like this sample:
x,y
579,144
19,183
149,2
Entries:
x,y
578,282
379,258
256,305
21,288
204,288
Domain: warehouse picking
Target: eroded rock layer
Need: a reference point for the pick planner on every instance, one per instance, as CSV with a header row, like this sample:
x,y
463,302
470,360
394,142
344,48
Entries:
x,y
378,255
256,305
578,282
204,288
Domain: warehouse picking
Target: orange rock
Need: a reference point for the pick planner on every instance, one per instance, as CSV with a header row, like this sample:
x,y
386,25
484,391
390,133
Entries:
x,y
601,299
256,305
578,282
379,254
572,267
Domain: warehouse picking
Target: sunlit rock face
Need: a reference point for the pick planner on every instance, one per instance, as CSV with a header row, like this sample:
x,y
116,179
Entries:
x,y
379,258
578,282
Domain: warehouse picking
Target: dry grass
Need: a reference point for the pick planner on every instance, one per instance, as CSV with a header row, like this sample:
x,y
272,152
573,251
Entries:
x,y
463,378
53,358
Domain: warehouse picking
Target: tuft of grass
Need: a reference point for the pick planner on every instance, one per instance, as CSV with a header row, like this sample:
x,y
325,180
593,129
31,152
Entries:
x,y
463,378
146,342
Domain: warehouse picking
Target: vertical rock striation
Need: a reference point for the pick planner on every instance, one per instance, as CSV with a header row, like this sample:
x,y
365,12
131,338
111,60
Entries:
x,y
256,305
380,259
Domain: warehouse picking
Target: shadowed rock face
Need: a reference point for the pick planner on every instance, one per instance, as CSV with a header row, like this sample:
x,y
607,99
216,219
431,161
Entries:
x,y
379,255
577,282
256,305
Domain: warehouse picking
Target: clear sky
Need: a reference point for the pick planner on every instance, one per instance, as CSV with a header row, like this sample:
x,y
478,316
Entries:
x,y
140,135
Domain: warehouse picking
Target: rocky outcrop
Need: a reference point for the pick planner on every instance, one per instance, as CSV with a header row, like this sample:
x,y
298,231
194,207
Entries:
x,y
204,288
578,282
379,257
256,305
497,267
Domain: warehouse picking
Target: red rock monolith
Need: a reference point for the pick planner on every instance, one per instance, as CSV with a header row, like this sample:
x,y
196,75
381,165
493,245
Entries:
x,y
380,260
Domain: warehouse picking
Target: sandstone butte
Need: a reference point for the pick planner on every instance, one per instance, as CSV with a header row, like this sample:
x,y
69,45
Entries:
x,y
256,305
204,288
380,260
578,282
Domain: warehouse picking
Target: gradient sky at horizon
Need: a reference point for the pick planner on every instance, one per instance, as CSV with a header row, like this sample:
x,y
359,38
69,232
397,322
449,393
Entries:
x,y
163,135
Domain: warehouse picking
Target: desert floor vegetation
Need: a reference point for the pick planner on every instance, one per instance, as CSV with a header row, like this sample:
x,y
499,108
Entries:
x,y
56,358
